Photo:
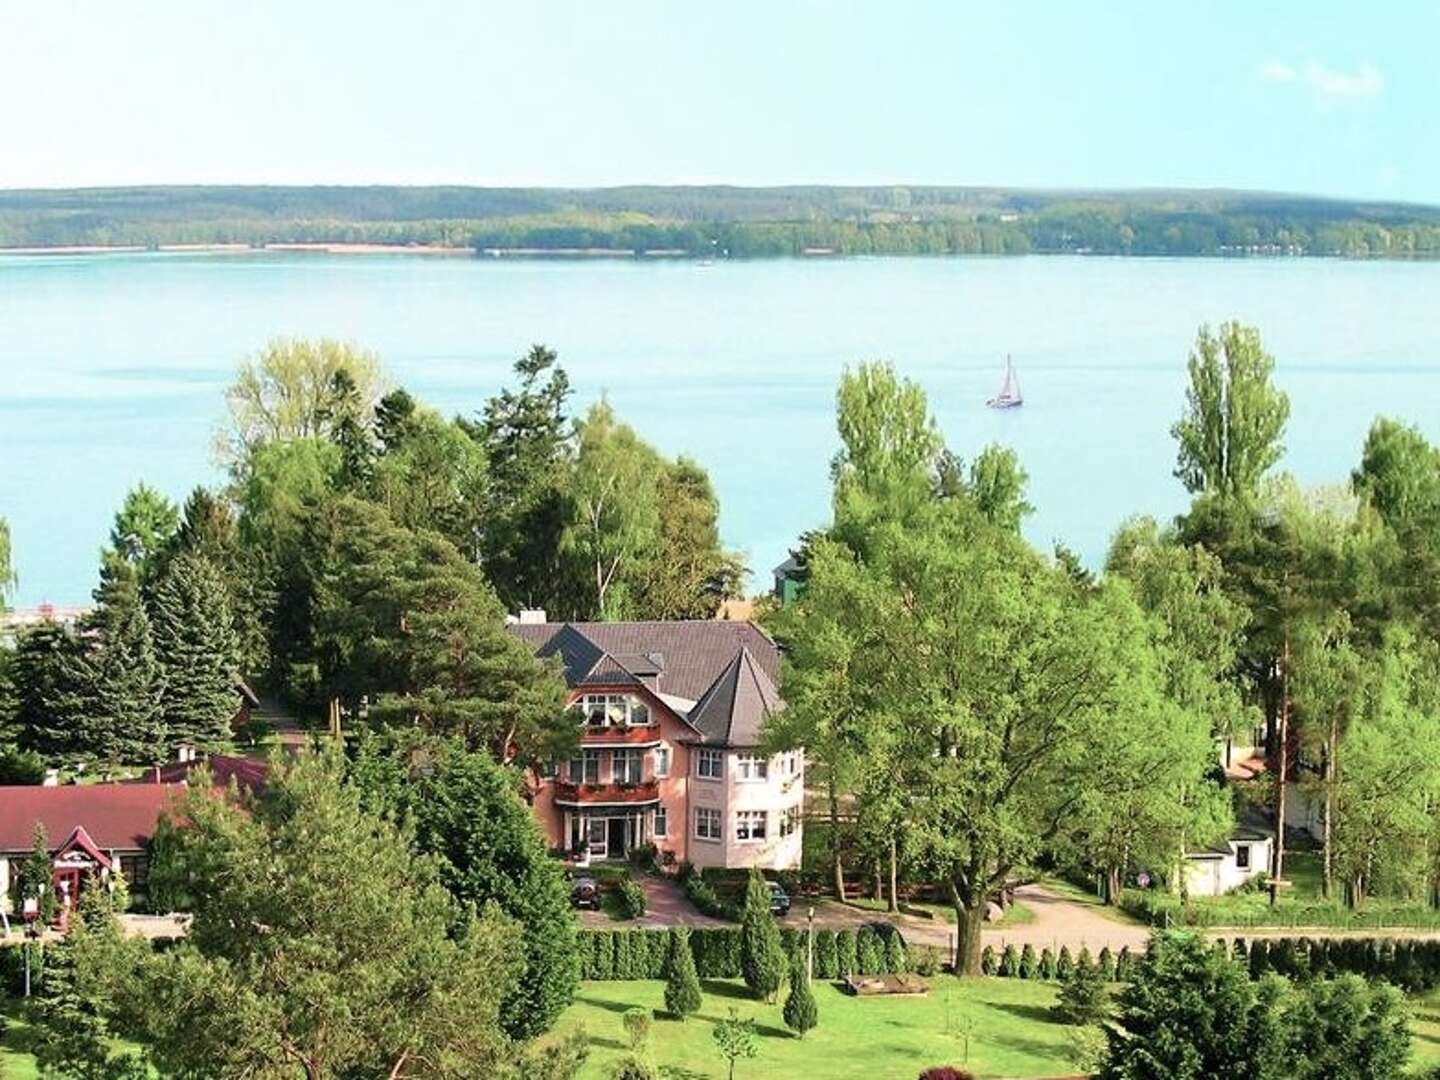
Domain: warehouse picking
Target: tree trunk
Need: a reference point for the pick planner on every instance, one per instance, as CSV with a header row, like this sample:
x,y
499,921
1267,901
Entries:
x,y
969,920
894,876
835,840
1331,750
1282,770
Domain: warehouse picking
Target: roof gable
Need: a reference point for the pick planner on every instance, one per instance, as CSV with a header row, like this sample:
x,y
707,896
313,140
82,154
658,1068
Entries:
x,y
687,655
733,711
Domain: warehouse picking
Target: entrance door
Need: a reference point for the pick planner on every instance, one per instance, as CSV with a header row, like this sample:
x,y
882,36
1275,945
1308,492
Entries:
x,y
619,828
67,887
595,836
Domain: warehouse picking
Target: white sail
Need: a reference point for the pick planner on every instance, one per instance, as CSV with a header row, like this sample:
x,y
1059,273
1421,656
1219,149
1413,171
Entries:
x,y
1009,395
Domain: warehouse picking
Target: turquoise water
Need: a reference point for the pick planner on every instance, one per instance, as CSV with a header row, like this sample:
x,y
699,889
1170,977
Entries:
x,y
115,365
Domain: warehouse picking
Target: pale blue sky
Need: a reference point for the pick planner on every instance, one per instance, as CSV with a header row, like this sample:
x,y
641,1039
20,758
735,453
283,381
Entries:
x,y
1296,96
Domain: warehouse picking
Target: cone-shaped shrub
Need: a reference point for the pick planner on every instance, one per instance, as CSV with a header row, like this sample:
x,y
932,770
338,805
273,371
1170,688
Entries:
x,y
800,1012
1047,964
682,985
1010,962
895,959
762,960
825,958
1106,964
845,954
1064,963
1029,962
989,962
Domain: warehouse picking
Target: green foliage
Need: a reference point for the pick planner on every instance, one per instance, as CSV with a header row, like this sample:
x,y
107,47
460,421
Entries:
x,y
927,961
37,877
800,1012
682,985
632,898
1064,963
1046,969
1010,962
356,972
762,961
826,955
847,960
144,527
1083,998
1105,965
869,951
198,653
7,566
895,956
735,1039
1232,430
989,962
21,766
637,1023
1029,963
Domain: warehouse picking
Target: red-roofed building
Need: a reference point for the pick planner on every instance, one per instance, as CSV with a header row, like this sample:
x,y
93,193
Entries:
x,y
91,828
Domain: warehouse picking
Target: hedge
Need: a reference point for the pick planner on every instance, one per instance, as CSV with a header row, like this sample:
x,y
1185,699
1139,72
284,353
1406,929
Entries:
x,y
1163,909
1411,964
640,954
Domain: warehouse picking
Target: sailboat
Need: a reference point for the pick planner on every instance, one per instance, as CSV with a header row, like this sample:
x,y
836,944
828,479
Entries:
x,y
1009,396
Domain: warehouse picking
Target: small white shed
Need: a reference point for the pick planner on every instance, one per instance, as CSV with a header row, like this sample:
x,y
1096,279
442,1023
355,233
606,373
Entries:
x,y
1228,864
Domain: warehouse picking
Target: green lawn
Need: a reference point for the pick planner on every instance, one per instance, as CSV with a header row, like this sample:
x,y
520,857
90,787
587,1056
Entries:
x,y
1012,1033
16,1063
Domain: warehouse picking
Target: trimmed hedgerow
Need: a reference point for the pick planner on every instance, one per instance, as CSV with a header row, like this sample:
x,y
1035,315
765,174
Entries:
x,y
642,954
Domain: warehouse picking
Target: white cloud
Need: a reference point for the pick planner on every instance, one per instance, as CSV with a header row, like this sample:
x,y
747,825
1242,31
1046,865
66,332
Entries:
x,y
1277,71
1364,82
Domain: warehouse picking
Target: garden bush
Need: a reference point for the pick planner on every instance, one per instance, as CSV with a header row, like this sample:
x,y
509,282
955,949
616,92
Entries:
x,y
1105,962
927,960
1029,963
631,898
946,1072
1064,963
1010,962
869,951
989,962
1047,964
895,959
825,959
845,954
603,958
1082,997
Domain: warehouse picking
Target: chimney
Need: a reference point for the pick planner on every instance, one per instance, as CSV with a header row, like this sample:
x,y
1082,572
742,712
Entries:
x,y
532,617
52,778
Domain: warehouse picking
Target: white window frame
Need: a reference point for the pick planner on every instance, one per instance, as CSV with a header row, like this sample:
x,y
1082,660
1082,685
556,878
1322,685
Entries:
x,y
660,823
1248,857
752,768
713,827
615,711
716,758
662,754
789,821
634,771
746,822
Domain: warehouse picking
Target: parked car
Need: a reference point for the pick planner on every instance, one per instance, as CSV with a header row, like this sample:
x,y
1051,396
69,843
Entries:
x,y
779,899
585,893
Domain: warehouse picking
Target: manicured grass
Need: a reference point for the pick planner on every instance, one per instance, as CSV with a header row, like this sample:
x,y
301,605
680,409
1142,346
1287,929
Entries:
x,y
16,1062
1011,1031
1425,1032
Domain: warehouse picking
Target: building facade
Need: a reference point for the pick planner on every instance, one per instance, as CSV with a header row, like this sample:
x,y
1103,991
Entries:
x,y
670,717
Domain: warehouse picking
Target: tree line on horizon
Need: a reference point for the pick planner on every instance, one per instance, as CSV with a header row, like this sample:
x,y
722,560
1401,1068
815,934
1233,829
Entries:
x,y
728,222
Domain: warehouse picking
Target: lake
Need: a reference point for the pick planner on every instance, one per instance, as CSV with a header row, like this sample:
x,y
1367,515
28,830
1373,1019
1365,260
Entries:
x,y
115,367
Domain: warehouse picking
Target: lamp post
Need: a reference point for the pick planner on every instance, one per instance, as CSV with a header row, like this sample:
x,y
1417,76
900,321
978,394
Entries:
x,y
32,921
810,945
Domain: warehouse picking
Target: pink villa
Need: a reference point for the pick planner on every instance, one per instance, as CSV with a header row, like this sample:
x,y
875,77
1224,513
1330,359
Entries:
x,y
670,717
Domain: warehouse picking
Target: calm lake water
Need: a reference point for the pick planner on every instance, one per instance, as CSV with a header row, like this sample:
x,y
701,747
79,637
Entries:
x,y
114,367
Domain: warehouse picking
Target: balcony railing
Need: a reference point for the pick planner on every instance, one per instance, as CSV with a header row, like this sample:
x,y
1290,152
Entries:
x,y
646,790
619,733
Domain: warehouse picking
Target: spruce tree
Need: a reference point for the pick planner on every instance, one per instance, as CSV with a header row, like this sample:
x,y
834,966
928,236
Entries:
x,y
39,672
800,1012
762,960
36,877
682,985
195,641
113,690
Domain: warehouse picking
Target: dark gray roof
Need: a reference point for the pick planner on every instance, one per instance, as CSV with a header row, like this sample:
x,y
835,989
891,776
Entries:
x,y
687,656
734,710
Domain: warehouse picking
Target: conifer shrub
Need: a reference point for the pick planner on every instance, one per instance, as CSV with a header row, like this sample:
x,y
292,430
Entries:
x,y
604,957
989,962
870,951
1105,963
846,954
895,958
621,964
800,1012
1064,963
1047,964
1010,962
1124,964
825,958
682,985
1029,963
927,960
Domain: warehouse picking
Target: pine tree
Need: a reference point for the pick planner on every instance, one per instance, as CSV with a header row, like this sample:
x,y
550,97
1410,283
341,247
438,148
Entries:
x,y
113,684
39,672
36,876
762,960
800,1012
195,641
682,985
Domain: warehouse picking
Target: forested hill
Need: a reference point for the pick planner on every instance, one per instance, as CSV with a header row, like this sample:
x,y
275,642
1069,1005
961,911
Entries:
x,y
727,221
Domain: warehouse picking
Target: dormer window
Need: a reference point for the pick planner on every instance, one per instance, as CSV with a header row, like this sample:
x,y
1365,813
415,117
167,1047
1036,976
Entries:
x,y
614,710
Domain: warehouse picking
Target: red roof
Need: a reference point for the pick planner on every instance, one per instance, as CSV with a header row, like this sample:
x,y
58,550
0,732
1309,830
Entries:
x,y
115,816
248,773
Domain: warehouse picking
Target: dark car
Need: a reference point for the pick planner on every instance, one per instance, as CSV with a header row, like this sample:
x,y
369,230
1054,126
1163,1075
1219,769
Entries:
x,y
779,899
585,893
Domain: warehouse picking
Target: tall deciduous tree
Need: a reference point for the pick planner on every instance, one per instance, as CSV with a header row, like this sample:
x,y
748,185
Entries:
x,y
1231,433
617,512
298,389
431,474
7,566
689,574
198,652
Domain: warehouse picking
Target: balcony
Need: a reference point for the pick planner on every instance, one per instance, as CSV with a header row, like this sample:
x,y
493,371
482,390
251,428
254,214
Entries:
x,y
619,734
644,791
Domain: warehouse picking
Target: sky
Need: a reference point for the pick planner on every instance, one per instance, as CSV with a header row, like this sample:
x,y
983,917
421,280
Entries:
x,y
1315,96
